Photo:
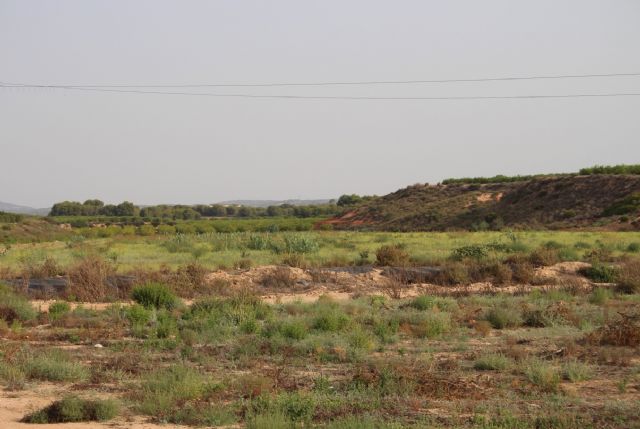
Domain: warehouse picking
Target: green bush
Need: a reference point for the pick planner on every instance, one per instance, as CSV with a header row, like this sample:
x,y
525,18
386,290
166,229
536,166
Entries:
x,y
629,204
154,295
575,371
600,296
600,273
73,409
58,309
423,302
162,390
502,317
331,320
542,374
432,325
14,307
491,362
474,251
295,330
53,365
12,376
633,247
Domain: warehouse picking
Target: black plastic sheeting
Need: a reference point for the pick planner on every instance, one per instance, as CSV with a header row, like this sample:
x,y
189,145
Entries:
x,y
57,286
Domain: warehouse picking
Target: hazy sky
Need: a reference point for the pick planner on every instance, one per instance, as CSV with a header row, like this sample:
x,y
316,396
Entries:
x,y
57,144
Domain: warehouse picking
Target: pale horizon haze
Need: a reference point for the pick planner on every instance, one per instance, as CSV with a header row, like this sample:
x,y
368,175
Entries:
x,y
58,144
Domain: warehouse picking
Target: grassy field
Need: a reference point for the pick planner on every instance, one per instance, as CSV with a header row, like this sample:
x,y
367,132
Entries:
x,y
320,248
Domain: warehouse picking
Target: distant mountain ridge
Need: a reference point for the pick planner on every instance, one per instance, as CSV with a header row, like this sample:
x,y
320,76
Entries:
x,y
14,208
267,203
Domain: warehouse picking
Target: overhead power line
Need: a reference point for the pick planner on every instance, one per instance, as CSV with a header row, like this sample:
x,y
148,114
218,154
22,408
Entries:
x,y
323,97
344,83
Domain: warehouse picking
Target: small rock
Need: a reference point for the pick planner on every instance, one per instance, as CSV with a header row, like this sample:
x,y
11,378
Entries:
x,y
98,346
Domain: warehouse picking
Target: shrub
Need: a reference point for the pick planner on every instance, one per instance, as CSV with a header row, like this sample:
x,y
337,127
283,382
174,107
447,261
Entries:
x,y
392,256
600,296
621,331
13,376
523,272
474,251
599,273
504,316
52,365
331,320
423,302
88,279
73,409
453,273
575,371
542,374
633,247
58,309
14,307
624,206
280,277
298,407
544,256
491,362
154,295
432,325
162,390
629,277
295,330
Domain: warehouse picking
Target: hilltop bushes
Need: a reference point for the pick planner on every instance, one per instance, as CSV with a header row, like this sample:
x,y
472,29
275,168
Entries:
x,y
611,169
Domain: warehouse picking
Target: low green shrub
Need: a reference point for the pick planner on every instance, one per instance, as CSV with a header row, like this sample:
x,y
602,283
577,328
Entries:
x,y
162,390
294,330
51,365
331,320
491,362
58,309
423,302
502,317
154,295
73,409
14,307
633,247
575,371
542,374
474,251
600,273
600,296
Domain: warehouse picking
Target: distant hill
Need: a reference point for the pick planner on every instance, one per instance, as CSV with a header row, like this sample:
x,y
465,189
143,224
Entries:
x,y
551,201
13,208
267,203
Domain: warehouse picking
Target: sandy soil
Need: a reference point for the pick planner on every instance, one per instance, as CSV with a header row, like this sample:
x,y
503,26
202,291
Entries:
x,y
345,285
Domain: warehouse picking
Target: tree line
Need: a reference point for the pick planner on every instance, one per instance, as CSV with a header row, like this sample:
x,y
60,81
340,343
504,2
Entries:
x,y
186,212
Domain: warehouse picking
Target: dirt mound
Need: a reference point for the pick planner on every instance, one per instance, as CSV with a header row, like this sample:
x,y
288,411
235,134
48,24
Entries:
x,y
557,202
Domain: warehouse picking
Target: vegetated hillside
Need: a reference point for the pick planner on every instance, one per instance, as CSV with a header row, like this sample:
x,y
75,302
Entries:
x,y
562,201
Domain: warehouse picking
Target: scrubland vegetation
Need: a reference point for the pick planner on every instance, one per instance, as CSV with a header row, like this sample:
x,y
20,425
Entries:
x,y
282,321
560,359
178,346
